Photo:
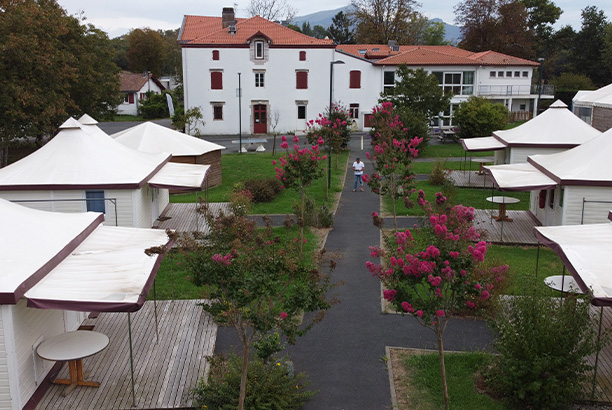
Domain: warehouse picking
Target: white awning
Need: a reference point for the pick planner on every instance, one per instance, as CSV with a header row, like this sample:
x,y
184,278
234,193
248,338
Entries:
x,y
180,177
482,144
585,251
107,272
518,177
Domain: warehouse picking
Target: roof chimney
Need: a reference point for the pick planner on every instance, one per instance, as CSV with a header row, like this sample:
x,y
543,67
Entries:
x,y
227,17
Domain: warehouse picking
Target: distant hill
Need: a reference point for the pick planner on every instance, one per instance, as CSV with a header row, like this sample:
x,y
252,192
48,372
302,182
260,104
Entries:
x,y
324,18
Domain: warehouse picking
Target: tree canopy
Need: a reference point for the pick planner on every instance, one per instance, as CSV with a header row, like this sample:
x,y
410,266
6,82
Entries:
x,y
52,66
146,51
379,21
274,10
341,29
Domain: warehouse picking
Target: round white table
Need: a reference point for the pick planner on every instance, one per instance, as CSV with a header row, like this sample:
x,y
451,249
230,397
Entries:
x,y
481,161
73,347
503,201
563,283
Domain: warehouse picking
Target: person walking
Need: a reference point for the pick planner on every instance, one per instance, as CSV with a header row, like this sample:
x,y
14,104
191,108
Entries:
x,y
358,167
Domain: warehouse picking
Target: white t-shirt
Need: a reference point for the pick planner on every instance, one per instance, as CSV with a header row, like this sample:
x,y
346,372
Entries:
x,y
358,167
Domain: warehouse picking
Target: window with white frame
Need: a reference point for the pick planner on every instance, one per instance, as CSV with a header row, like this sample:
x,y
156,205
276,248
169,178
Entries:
x,y
301,111
354,110
259,79
388,80
493,74
459,83
259,49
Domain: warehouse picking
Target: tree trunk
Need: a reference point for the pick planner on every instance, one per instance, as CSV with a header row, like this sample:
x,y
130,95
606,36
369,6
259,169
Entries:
x,y
3,156
394,213
243,379
439,332
302,224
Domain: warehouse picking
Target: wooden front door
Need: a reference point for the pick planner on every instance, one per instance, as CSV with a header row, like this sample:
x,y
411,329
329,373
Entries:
x,y
260,119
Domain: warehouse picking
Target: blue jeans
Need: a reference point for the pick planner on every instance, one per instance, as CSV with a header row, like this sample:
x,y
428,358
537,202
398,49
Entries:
x,y
358,180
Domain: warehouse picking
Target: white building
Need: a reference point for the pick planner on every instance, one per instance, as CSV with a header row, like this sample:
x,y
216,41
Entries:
x,y
134,87
285,75
594,107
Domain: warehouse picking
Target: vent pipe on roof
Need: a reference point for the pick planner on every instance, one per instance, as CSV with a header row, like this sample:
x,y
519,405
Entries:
x,y
227,17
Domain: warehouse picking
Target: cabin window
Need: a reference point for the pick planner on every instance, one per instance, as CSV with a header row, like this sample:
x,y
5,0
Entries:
x,y
95,201
562,194
551,198
388,80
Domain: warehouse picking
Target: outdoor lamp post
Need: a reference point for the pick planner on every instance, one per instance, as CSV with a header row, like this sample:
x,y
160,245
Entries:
x,y
331,92
239,92
540,60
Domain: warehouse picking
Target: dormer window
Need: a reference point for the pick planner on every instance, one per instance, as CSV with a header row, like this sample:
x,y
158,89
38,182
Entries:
x,y
259,50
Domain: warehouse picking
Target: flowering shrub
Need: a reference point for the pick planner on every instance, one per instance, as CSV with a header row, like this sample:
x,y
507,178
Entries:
x,y
392,170
298,169
334,131
432,278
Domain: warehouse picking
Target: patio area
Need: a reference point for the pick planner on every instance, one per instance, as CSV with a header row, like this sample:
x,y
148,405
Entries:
x,y
470,179
164,370
517,232
186,218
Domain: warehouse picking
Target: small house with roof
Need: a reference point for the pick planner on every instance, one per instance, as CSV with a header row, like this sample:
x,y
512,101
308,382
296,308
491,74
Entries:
x,y
554,130
55,267
284,76
83,169
134,87
153,138
594,107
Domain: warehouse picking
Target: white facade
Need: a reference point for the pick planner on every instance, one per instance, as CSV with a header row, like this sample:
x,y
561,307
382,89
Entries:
x,y
572,205
131,99
277,92
138,208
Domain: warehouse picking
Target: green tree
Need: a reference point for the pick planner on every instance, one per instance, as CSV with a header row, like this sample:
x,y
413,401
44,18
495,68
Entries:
x,y
273,10
121,45
306,29
51,67
606,53
379,21
173,60
257,284
587,57
341,29
318,31
479,117
146,52
542,14
434,34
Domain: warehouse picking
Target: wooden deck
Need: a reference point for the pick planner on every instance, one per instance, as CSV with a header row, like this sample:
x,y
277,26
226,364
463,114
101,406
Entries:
x,y
186,218
164,371
517,232
470,179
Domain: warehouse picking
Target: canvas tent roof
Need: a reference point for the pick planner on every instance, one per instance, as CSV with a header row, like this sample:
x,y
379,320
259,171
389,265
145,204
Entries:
x,y
585,251
482,144
79,157
586,164
556,127
519,177
154,138
589,98
90,126
72,261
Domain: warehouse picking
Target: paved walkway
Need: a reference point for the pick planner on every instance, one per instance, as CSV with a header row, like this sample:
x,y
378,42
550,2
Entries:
x,y
342,355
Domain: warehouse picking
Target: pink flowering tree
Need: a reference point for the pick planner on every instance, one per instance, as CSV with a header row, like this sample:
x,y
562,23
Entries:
x,y
392,174
434,275
298,169
258,285
334,129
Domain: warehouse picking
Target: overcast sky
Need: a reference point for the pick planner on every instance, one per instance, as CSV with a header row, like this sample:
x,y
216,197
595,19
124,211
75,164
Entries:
x,y
117,17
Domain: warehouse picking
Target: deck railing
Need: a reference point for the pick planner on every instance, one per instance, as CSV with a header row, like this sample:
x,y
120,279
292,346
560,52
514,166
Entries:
x,y
511,90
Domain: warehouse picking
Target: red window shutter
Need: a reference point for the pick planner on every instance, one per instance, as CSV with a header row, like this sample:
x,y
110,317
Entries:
x,y
215,54
366,120
302,56
355,79
131,98
301,80
216,80
542,199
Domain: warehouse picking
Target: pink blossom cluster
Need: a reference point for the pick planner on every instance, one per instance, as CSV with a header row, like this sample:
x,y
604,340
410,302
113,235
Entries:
x,y
223,260
389,294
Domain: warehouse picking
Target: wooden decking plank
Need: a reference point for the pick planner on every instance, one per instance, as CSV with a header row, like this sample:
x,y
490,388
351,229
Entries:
x,y
151,360
470,179
185,218
519,231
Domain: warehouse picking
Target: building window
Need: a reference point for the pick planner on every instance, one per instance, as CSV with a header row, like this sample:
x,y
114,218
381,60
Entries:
x,y
388,80
302,56
522,107
301,114
355,79
452,83
517,73
500,74
301,80
218,112
259,80
126,98
259,50
468,83
215,54
95,201
509,74
525,74
493,74
354,110
551,198
216,80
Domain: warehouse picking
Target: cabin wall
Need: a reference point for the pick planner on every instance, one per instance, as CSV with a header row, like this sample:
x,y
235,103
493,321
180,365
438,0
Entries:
x,y
212,158
593,212
5,386
518,155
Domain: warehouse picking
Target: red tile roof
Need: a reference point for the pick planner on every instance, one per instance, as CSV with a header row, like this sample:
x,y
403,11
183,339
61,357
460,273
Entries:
x,y
200,30
382,54
133,82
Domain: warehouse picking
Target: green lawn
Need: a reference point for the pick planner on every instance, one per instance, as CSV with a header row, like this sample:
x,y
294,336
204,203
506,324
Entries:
x,y
474,197
242,167
454,149
422,381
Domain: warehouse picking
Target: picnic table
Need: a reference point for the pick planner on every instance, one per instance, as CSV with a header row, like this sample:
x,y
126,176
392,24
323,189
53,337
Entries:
x,y
448,134
251,144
